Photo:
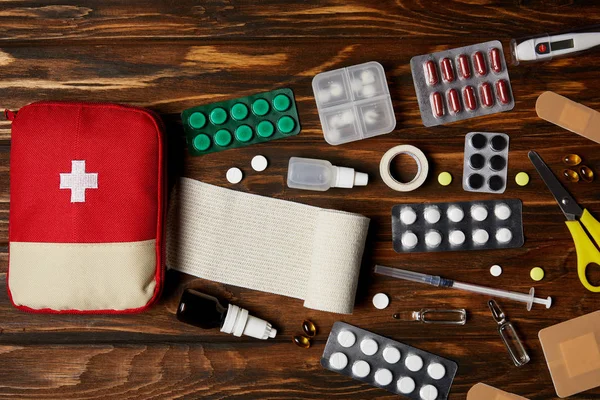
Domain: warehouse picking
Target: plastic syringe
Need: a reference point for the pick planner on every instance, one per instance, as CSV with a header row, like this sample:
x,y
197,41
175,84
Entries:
x,y
434,280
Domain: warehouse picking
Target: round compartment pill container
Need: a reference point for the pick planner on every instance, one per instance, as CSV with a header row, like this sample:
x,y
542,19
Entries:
x,y
485,162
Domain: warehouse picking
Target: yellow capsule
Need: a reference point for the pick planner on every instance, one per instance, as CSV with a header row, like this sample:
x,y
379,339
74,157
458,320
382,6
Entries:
x,y
309,328
572,160
571,175
586,173
302,341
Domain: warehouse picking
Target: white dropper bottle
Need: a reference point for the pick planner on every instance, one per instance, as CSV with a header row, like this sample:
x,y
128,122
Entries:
x,y
320,175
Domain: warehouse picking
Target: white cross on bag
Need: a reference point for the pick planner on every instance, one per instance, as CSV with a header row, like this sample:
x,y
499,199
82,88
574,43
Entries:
x,y
78,181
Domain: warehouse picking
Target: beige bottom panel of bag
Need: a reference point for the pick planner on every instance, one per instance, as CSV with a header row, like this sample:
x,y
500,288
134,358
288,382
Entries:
x,y
82,276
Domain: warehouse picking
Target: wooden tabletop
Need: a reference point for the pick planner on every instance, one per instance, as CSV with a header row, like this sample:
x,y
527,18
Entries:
x,y
171,55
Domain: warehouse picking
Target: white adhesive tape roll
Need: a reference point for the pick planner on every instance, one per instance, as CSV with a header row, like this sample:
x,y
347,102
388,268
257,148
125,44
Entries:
x,y
422,168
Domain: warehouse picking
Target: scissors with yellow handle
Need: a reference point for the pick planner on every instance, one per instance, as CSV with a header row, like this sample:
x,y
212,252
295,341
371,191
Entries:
x,y
577,219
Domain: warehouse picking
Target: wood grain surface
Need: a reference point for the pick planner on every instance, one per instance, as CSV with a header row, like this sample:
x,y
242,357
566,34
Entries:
x,y
171,55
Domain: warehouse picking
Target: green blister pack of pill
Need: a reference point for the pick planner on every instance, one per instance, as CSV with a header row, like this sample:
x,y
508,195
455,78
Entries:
x,y
241,122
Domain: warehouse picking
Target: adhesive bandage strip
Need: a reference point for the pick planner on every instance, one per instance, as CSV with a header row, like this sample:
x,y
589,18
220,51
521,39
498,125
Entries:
x,y
422,168
266,244
481,391
569,115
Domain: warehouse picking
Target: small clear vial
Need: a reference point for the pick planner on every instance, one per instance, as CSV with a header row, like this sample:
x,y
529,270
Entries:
x,y
320,175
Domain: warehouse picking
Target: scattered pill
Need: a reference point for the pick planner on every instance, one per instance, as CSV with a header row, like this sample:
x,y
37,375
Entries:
x,y
455,214
338,360
437,103
497,163
496,60
409,239
479,64
586,173
469,97
570,159
457,237
336,89
391,355
346,338
480,236
433,238
259,163
479,213
487,98
475,181
431,73
536,273
503,91
436,370
309,328
444,178
367,76
381,301
454,101
571,175
502,212
432,215
302,341
408,216
447,71
503,235
522,179
428,392
234,175
383,376
368,347
463,66
496,270
406,385
361,369
413,362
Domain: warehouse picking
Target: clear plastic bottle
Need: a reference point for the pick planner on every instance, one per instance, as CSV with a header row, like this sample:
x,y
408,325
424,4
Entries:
x,y
320,175
206,312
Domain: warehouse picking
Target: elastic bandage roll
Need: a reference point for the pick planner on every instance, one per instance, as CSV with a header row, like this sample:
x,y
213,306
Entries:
x,y
266,244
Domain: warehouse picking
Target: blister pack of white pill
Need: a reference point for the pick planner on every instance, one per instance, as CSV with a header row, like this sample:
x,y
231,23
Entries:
x,y
454,226
387,364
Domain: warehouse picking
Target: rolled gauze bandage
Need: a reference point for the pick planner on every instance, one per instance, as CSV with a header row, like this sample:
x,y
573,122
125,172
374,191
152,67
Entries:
x,y
266,244
422,168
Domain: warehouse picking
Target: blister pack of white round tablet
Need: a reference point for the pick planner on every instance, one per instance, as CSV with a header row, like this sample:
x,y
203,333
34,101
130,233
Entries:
x,y
387,364
455,226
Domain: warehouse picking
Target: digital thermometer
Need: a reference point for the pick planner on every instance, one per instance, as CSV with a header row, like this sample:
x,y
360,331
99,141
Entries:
x,y
547,47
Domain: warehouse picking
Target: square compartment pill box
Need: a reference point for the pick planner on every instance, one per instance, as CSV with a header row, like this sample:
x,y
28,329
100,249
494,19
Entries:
x,y
462,83
354,103
485,165
240,122
387,364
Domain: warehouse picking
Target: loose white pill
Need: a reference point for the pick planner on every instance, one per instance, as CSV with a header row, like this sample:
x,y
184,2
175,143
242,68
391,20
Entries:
x,y
456,237
361,369
455,214
409,239
391,355
496,270
367,76
381,301
336,89
433,238
370,117
502,211
480,236
324,96
234,175
259,163
479,213
503,235
428,392
338,360
436,370
346,338
369,347
414,363
368,90
406,385
408,216
383,376
432,215
347,117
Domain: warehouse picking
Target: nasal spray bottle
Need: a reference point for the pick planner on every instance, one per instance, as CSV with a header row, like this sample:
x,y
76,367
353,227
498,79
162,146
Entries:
x,y
206,312
320,175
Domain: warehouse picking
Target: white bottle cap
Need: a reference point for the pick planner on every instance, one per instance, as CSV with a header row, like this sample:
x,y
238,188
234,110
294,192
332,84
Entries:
x,y
347,178
239,322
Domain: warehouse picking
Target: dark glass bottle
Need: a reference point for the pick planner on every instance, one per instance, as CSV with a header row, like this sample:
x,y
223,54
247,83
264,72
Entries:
x,y
201,310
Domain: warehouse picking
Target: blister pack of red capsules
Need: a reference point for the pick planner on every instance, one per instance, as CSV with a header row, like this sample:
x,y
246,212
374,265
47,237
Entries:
x,y
462,83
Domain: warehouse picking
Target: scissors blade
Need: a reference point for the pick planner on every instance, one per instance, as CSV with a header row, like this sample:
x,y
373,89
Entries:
x,y
567,203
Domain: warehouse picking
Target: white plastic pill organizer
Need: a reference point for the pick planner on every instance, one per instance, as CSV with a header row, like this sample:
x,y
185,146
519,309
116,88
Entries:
x,y
387,364
354,103
462,83
485,162
469,225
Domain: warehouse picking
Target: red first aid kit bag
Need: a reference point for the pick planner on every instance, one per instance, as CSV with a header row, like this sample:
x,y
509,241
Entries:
x,y
87,206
